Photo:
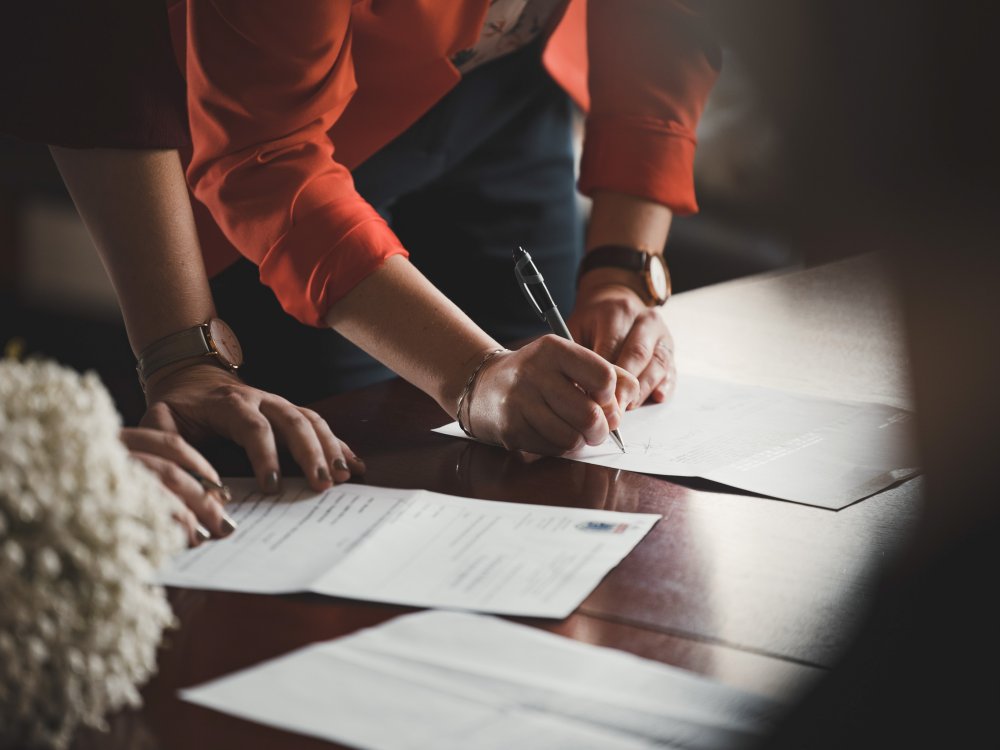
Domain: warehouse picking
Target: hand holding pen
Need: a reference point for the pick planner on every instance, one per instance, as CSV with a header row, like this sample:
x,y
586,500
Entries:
x,y
550,396
532,284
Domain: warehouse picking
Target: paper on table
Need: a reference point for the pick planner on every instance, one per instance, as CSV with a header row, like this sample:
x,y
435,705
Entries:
x,y
412,547
451,680
808,449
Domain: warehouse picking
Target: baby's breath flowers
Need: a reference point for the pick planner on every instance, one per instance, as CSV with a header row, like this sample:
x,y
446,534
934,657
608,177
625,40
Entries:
x,y
83,529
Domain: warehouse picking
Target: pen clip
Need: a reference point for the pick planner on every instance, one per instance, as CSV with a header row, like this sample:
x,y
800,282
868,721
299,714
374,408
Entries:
x,y
534,278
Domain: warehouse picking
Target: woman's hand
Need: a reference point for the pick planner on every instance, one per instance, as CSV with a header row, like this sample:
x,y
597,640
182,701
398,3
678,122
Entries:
x,y
551,397
612,319
176,463
202,399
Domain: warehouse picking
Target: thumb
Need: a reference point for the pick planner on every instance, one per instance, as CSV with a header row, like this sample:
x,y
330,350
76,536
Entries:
x,y
159,417
627,388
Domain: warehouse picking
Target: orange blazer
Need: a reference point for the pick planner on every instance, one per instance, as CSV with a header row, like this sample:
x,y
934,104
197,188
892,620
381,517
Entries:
x,y
284,99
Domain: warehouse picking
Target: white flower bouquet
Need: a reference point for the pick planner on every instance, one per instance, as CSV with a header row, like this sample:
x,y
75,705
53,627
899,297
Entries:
x,y
83,529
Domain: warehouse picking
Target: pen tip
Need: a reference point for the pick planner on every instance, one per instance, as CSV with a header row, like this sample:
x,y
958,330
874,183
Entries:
x,y
518,252
617,437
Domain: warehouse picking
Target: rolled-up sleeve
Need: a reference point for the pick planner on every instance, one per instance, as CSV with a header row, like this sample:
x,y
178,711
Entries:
x,y
265,84
651,66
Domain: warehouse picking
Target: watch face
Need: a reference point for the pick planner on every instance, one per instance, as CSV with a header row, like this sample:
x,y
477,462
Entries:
x,y
659,279
222,338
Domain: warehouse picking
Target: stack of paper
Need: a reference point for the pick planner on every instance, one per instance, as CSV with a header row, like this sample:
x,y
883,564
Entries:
x,y
808,449
412,547
450,681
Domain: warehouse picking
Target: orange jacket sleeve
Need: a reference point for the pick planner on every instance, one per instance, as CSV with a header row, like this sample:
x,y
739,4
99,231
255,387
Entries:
x,y
264,86
651,66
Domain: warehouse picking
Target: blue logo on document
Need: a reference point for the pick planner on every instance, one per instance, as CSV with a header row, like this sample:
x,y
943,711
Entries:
x,y
612,528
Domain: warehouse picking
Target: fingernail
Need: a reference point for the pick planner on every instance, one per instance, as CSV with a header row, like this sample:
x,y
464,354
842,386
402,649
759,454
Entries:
x,y
227,495
228,525
341,465
272,481
322,474
203,534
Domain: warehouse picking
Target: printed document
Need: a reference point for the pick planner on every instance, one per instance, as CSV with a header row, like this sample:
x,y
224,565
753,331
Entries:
x,y
412,547
452,680
808,449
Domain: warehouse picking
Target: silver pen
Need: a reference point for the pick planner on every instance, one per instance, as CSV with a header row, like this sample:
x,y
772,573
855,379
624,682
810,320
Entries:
x,y
533,285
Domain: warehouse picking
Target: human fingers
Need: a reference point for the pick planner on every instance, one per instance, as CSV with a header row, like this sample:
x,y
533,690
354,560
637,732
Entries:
x,y
159,417
354,462
194,532
572,408
339,457
665,390
656,372
236,415
594,374
626,390
299,434
543,432
645,352
171,446
189,523
211,519
609,330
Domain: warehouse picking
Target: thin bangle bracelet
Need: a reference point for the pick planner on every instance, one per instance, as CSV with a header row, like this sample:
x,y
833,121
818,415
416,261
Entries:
x,y
469,384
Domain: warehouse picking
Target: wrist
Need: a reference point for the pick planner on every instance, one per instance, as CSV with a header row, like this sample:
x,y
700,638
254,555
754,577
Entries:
x,y
465,397
600,279
455,380
202,370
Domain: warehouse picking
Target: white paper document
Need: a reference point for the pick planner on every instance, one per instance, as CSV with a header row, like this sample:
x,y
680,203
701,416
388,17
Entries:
x,y
808,449
451,680
412,547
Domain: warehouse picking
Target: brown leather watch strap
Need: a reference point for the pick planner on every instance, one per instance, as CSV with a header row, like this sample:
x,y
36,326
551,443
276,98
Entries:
x,y
615,256
652,272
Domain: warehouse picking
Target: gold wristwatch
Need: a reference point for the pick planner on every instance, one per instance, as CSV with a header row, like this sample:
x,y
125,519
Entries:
x,y
213,340
650,268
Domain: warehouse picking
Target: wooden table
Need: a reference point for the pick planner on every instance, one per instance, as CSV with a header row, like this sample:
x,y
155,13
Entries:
x,y
757,593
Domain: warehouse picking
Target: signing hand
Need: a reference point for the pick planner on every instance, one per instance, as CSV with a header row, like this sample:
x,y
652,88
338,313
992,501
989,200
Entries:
x,y
201,400
551,397
612,319
168,456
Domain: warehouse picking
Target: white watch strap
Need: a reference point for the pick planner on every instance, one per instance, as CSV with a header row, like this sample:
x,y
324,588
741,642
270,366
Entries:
x,y
185,344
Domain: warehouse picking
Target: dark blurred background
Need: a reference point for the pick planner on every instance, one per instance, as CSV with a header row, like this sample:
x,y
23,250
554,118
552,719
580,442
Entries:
x,y
57,299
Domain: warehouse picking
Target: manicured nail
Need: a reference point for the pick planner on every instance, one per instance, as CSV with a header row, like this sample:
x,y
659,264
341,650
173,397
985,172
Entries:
x,y
272,481
225,494
322,474
228,525
341,465
203,534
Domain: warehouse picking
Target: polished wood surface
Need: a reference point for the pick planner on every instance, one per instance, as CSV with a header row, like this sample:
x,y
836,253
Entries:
x,y
755,592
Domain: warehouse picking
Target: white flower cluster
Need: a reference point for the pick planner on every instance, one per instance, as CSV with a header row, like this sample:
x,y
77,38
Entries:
x,y
83,529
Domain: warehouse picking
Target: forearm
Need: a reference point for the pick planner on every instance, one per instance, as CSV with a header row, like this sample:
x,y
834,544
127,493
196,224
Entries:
x,y
136,207
620,219
401,319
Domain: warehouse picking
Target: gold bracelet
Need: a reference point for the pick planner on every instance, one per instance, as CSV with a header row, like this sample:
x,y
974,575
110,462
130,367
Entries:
x,y
470,384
